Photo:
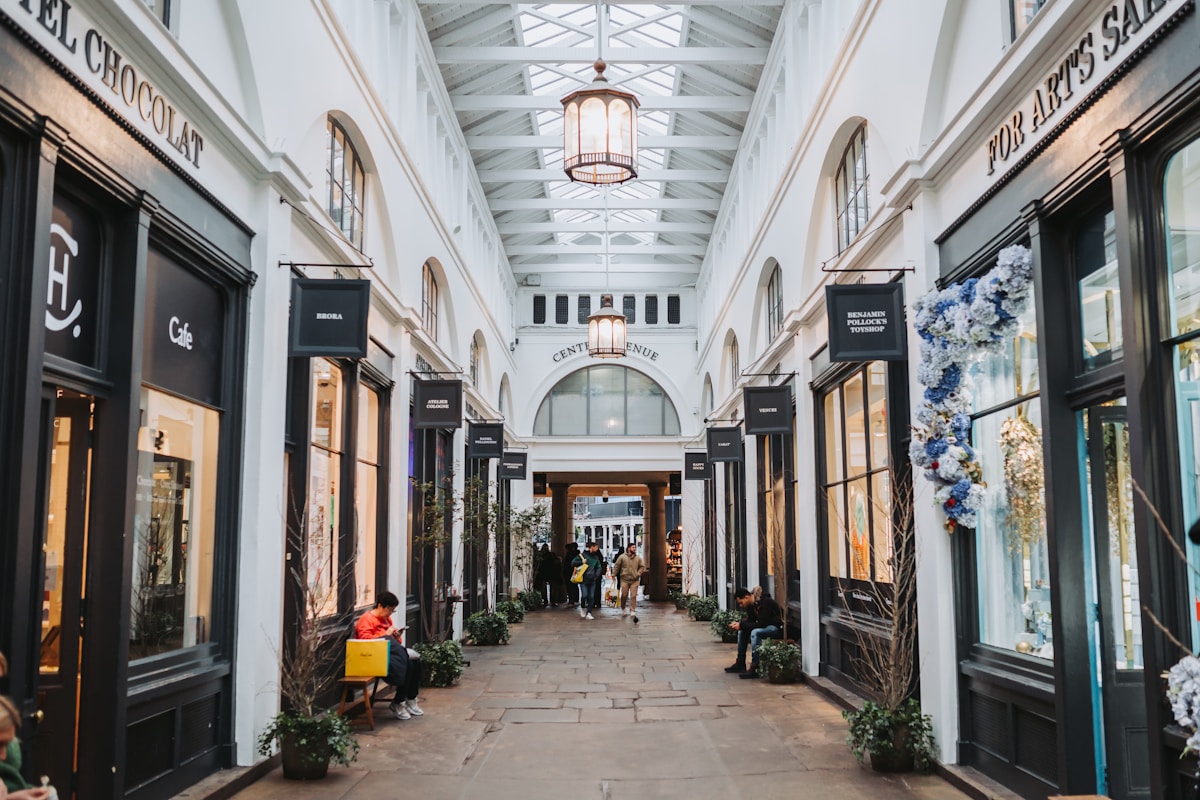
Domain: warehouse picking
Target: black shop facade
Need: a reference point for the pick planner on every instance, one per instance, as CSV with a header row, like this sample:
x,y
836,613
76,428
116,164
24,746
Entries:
x,y
123,340
1066,611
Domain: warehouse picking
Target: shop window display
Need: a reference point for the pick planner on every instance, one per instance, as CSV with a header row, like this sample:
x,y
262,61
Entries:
x,y
1181,206
174,525
1012,556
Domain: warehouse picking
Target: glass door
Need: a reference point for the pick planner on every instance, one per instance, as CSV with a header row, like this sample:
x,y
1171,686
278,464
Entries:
x,y
1119,677
66,467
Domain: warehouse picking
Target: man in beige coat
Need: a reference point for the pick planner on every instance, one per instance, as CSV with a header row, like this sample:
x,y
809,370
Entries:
x,y
628,570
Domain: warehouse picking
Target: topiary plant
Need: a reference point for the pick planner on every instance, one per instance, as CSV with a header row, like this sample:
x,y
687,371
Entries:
x,y
487,628
441,663
511,610
702,608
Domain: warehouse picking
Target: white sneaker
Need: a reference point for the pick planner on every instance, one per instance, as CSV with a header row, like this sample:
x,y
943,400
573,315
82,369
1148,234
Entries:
x,y
399,711
413,708
582,612
624,612
589,616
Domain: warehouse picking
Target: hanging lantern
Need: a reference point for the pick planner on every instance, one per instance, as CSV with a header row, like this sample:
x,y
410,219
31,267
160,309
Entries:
x,y
600,133
606,330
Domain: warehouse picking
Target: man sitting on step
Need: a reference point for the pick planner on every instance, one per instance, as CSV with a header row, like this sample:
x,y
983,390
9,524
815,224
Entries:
x,y
764,620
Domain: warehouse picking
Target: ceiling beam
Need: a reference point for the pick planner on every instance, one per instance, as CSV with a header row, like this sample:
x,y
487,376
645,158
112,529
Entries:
x,y
641,267
613,250
557,175
614,203
756,56
647,226
510,102
484,142
767,3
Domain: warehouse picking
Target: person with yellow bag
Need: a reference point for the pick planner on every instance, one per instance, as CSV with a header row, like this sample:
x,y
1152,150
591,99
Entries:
x,y
589,567
404,665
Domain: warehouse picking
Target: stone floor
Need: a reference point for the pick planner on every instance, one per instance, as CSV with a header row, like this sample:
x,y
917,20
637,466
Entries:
x,y
608,709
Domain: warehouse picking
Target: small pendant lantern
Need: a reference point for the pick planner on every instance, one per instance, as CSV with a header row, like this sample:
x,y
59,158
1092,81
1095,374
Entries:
x,y
606,330
600,133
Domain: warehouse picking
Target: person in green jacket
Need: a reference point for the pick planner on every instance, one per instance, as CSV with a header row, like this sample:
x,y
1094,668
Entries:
x,y
15,785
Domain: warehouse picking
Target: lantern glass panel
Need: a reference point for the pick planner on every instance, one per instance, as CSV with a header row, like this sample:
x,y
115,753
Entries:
x,y
619,127
571,136
593,126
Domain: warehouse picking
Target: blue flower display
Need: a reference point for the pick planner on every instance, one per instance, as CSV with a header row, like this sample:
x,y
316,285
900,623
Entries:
x,y
958,325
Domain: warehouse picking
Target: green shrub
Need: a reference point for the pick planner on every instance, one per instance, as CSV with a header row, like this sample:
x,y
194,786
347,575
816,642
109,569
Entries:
x,y
441,662
683,600
327,736
722,625
486,628
702,608
511,610
876,730
532,599
778,661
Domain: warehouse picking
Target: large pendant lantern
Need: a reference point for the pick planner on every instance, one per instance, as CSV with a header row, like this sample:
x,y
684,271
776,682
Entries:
x,y
600,133
606,330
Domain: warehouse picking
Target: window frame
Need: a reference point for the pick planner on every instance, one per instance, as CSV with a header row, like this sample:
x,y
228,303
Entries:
x,y
774,301
357,180
429,302
856,196
539,309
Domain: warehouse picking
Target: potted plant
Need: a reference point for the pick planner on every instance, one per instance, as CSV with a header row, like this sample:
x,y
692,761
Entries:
x,y
702,609
308,734
441,662
683,600
778,661
487,628
511,610
531,599
890,723
722,623
897,740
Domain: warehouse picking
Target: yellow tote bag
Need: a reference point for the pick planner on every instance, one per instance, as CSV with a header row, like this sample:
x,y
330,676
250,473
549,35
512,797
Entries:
x,y
366,658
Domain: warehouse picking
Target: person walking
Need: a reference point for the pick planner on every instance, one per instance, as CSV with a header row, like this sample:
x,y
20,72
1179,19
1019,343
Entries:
x,y
591,579
628,571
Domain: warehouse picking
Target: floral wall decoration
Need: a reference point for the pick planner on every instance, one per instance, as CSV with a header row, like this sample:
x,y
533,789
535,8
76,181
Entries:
x,y
958,326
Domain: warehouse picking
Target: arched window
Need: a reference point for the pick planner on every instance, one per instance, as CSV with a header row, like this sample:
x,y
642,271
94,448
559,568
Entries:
x,y
606,400
345,185
474,367
735,364
850,190
775,304
429,302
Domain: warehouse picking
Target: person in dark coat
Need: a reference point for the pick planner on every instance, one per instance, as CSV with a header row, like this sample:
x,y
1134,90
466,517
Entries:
x,y
572,588
764,620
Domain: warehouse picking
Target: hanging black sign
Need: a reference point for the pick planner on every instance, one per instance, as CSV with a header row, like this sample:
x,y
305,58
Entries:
x,y
725,444
513,465
768,409
185,329
329,317
437,404
674,484
73,294
485,439
866,322
539,484
696,467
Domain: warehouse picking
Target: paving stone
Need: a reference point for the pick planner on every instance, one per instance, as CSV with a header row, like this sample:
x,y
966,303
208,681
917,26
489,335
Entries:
x,y
677,714
650,702
541,715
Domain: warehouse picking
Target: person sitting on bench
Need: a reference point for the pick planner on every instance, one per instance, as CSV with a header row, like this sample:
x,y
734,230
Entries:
x,y
404,665
764,620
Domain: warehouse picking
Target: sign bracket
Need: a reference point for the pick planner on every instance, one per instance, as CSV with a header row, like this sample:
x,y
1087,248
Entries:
x,y
881,226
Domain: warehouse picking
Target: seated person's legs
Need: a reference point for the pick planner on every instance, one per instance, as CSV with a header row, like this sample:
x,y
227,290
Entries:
x,y
756,637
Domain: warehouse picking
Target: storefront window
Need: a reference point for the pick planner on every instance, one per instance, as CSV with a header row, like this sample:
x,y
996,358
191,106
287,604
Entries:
x,y
323,479
1012,556
857,478
1099,289
366,500
174,525
1181,204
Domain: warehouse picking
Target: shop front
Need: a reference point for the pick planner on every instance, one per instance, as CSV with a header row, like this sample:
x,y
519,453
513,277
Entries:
x,y
1064,606
123,346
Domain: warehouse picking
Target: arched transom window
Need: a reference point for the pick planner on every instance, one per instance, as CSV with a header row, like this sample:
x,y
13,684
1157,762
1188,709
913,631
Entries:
x,y
606,400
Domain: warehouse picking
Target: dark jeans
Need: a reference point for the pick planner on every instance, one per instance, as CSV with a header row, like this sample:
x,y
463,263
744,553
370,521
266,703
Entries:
x,y
598,593
587,596
746,634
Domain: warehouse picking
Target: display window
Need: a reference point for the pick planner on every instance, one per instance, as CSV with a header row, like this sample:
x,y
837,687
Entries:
x,y
174,525
1012,562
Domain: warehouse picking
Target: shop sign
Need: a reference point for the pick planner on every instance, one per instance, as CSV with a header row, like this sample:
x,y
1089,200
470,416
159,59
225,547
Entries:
x,y
768,409
696,467
485,440
674,484
66,32
185,328
513,466
73,286
581,348
866,322
539,485
437,404
329,317
1114,36
725,444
